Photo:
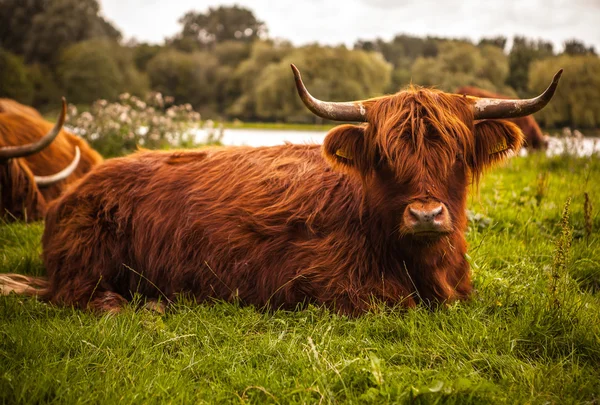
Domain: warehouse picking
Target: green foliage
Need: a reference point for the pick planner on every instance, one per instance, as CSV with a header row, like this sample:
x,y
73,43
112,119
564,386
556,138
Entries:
x,y
576,47
462,64
577,100
189,77
14,80
143,53
335,74
46,90
45,28
241,85
499,42
232,53
99,69
217,25
16,18
504,346
522,54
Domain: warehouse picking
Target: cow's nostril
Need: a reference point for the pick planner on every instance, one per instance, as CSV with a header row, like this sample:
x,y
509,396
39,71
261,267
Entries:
x,y
437,211
416,215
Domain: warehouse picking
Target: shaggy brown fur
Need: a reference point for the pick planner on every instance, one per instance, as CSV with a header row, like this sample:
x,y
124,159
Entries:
x,y
53,158
8,105
534,138
20,198
280,226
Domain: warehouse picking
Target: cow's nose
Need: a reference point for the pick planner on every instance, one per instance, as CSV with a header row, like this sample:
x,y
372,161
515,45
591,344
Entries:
x,y
428,217
425,215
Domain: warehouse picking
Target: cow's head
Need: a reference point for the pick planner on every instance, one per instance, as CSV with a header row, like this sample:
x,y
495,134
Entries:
x,y
417,150
20,197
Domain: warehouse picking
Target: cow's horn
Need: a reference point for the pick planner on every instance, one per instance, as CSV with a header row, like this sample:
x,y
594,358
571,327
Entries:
x,y
9,152
351,111
489,108
44,181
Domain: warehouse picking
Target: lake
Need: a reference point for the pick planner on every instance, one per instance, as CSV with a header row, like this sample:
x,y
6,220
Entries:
x,y
580,146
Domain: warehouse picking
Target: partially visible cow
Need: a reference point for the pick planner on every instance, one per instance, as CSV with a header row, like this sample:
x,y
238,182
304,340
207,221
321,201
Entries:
x,y
377,214
534,138
54,157
20,195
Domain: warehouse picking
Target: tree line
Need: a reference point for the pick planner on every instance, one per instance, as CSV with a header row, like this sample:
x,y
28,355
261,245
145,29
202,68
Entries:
x,y
224,63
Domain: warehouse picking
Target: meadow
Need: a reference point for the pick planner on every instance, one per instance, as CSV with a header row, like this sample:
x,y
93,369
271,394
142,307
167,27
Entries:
x,y
529,334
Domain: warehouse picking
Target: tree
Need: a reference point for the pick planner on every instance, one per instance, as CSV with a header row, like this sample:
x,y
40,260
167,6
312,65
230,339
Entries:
x,y
241,86
217,25
459,64
16,17
577,99
143,53
14,80
576,47
336,74
522,53
62,23
499,42
189,77
98,68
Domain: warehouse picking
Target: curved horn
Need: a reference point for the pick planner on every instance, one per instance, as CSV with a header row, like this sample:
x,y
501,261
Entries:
x,y
489,108
352,111
44,181
9,152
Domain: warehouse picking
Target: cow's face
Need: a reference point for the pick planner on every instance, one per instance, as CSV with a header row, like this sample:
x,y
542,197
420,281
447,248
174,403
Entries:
x,y
418,149
416,156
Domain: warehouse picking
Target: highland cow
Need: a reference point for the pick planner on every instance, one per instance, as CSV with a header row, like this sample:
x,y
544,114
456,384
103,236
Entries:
x,y
55,156
20,189
534,138
375,215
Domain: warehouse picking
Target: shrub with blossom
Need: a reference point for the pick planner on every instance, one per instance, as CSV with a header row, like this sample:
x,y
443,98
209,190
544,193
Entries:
x,y
116,129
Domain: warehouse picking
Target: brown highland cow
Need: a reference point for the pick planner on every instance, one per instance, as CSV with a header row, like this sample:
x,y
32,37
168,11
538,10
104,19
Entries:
x,y
377,214
55,156
20,189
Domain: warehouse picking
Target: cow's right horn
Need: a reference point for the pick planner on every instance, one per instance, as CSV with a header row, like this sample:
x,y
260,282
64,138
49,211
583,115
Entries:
x,y
10,152
44,181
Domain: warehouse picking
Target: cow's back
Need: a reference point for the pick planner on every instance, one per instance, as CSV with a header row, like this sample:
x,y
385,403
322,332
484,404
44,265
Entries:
x,y
240,222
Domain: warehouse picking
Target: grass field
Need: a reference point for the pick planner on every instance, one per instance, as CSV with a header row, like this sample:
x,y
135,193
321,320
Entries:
x,y
530,333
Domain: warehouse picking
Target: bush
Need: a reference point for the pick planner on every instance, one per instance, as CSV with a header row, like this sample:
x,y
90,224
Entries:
x,y
99,69
14,80
462,64
188,77
116,129
577,99
335,74
46,91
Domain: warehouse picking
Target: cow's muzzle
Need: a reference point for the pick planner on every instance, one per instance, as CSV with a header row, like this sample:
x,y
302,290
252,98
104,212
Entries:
x,y
429,218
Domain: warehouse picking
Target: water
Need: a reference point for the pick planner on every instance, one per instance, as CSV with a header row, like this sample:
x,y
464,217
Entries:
x,y
580,146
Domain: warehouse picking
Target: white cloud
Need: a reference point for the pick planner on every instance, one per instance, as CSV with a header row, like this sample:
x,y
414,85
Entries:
x,y
345,21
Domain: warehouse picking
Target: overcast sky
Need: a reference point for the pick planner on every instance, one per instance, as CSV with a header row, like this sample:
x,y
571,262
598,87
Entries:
x,y
345,21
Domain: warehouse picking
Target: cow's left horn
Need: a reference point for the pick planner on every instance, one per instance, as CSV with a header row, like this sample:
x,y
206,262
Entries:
x,y
490,108
10,152
351,111
45,181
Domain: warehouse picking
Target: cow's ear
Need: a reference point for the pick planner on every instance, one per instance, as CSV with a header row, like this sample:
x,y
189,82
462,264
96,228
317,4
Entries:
x,y
494,141
344,149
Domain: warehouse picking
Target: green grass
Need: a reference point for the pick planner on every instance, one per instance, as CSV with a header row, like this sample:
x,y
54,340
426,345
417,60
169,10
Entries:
x,y
530,333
